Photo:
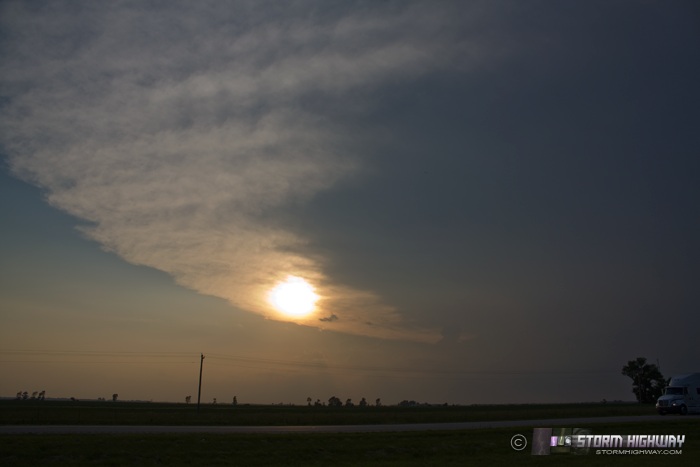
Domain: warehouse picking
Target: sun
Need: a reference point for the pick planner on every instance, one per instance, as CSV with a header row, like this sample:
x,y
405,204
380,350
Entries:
x,y
294,298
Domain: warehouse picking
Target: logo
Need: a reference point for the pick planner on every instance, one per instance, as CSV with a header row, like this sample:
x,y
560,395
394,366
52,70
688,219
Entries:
x,y
546,441
518,442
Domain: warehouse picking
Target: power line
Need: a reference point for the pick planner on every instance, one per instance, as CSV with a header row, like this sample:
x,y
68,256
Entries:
x,y
252,362
386,369
88,353
92,362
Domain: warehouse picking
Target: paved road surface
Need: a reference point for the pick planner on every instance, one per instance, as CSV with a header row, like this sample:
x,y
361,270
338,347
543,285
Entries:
x,y
145,429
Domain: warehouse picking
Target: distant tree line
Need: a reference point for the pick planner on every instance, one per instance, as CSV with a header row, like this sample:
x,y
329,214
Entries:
x,y
337,402
188,399
36,395
114,398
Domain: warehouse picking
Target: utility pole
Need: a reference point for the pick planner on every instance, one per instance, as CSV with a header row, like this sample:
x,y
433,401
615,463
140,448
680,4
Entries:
x,y
199,393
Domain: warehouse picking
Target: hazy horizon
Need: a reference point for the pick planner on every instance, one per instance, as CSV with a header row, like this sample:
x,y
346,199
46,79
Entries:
x,y
448,202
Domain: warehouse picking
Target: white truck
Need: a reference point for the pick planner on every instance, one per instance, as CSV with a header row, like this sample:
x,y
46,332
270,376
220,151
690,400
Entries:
x,y
682,395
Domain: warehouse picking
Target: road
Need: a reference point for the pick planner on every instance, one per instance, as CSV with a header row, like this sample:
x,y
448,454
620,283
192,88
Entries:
x,y
146,429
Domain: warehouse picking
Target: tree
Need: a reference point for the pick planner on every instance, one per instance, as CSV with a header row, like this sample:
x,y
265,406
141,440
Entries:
x,y
235,400
114,397
363,402
378,402
647,381
188,399
335,402
308,401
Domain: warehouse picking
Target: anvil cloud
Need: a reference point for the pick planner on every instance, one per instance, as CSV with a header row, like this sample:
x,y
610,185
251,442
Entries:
x,y
176,134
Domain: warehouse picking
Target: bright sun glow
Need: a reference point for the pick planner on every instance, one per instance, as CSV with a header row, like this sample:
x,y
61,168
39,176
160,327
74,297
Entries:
x,y
294,297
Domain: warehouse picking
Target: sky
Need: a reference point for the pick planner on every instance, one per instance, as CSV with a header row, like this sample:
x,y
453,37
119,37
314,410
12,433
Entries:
x,y
490,201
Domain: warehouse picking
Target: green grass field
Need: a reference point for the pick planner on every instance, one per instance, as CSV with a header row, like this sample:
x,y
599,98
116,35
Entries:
x,y
464,447
472,447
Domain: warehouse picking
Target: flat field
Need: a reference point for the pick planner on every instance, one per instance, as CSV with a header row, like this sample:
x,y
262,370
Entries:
x,y
463,447
144,413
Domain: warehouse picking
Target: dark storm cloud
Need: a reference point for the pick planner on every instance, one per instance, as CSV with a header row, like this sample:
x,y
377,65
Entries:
x,y
546,200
